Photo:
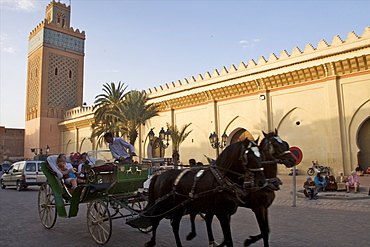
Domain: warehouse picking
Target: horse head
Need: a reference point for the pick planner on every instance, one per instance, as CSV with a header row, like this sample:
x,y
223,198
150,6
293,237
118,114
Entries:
x,y
275,149
240,159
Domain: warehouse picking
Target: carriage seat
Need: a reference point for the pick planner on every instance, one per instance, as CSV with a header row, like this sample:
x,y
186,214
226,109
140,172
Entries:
x,y
52,161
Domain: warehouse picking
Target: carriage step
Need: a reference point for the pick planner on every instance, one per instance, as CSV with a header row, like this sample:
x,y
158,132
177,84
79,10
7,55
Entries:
x,y
139,222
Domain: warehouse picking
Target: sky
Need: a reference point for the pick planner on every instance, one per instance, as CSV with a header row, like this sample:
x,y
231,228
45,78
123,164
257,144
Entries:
x,y
145,44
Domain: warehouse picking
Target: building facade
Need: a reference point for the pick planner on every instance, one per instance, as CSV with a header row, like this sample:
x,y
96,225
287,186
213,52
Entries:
x,y
54,77
11,144
318,99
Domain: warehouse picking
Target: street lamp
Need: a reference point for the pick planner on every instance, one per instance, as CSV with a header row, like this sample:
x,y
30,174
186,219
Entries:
x,y
163,136
215,143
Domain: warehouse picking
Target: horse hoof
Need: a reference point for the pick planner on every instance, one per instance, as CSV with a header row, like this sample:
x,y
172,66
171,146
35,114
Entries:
x,y
213,243
149,244
191,236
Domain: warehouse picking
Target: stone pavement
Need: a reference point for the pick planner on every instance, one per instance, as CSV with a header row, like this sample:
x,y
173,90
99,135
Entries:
x,y
324,222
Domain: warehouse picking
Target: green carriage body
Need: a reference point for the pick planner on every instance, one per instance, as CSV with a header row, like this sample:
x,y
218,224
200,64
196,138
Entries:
x,y
123,180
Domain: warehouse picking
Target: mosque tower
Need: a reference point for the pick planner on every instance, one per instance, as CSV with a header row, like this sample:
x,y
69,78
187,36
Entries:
x,y
54,78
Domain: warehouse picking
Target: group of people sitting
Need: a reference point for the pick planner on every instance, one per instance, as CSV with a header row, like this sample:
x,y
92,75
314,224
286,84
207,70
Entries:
x,y
71,175
327,182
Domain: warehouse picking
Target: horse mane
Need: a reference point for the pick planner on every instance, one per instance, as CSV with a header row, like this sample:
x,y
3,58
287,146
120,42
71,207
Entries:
x,y
227,157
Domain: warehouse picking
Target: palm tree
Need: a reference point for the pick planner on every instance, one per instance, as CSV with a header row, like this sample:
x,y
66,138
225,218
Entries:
x,y
133,111
177,136
109,100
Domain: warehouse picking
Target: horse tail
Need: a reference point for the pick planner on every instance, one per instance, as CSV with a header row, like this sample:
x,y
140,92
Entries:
x,y
151,196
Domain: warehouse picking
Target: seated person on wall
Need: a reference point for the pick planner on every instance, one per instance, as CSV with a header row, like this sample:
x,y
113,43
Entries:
x,y
341,181
310,188
320,181
353,181
192,163
359,170
332,184
368,170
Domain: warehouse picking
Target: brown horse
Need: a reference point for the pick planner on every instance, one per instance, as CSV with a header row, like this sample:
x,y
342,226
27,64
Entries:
x,y
213,190
274,150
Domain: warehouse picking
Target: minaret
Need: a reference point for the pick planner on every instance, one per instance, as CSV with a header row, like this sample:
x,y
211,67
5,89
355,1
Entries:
x,y
54,78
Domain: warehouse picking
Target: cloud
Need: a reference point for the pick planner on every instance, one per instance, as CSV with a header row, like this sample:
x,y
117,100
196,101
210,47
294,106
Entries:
x,y
9,50
19,5
249,44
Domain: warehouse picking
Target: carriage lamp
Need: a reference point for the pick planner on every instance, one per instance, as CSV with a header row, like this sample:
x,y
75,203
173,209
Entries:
x,y
85,169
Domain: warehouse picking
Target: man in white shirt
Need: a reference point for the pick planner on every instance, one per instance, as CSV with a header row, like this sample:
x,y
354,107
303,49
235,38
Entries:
x,y
120,149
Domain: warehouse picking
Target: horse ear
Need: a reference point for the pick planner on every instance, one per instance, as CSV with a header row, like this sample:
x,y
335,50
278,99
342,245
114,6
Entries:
x,y
264,134
276,132
257,140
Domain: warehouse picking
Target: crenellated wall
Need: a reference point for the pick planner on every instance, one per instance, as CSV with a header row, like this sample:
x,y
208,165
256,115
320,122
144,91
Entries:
x,y
338,48
318,99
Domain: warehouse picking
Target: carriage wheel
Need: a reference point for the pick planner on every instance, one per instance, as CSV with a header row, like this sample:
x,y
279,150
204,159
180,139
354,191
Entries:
x,y
46,206
99,221
138,204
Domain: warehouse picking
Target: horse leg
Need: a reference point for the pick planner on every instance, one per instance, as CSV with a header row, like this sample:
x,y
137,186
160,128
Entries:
x,y
175,223
193,233
152,242
211,240
261,214
225,226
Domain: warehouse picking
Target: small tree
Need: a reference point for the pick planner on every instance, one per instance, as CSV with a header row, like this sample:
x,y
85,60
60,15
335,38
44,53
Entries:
x,y
177,136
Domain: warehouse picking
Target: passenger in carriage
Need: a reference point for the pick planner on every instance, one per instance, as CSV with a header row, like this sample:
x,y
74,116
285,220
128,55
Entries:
x,y
69,173
84,161
120,149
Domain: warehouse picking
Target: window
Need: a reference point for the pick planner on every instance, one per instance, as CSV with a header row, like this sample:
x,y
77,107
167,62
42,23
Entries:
x,y
31,167
56,71
70,73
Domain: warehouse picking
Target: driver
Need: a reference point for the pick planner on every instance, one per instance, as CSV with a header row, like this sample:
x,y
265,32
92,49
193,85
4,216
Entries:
x,y
120,149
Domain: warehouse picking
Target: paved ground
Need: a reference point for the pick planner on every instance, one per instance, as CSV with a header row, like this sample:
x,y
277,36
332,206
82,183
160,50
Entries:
x,y
324,222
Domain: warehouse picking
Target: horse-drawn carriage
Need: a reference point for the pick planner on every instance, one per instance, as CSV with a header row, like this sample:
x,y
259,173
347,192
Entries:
x,y
108,188
241,176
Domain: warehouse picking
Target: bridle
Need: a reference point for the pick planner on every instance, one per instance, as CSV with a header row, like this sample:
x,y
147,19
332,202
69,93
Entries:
x,y
272,151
